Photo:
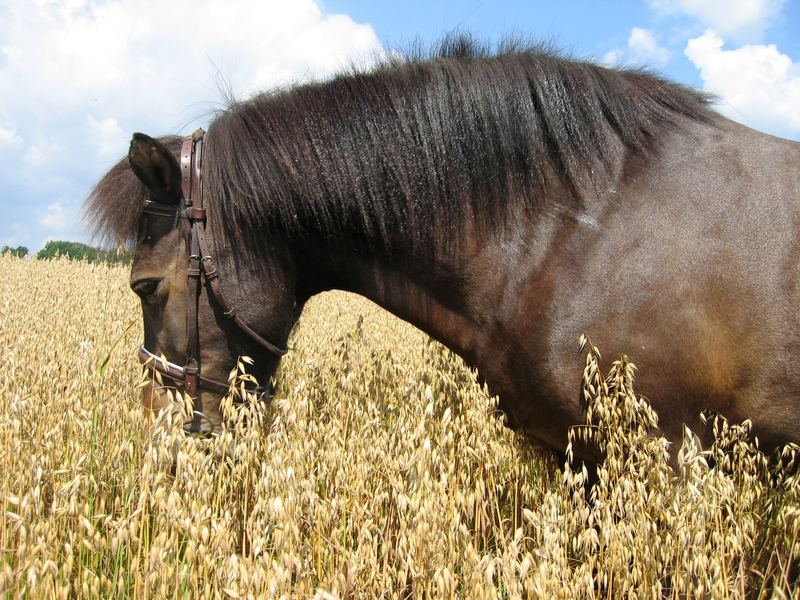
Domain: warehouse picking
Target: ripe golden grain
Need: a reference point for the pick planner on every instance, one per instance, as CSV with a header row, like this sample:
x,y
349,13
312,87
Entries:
x,y
380,470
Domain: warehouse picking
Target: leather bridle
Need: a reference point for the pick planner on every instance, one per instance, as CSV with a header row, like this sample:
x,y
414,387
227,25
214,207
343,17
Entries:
x,y
201,266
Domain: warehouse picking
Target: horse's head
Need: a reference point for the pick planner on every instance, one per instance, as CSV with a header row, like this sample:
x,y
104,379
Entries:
x,y
202,307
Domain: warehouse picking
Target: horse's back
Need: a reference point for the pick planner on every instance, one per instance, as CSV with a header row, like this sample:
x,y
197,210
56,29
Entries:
x,y
692,268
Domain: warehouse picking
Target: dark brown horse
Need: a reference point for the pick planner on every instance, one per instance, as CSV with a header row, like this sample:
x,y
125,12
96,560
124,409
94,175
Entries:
x,y
504,203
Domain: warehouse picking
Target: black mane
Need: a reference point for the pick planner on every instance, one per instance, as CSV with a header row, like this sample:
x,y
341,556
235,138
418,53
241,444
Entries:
x,y
388,154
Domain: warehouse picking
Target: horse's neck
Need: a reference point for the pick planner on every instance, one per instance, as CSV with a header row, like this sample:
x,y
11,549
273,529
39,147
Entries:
x,y
432,299
462,297
474,291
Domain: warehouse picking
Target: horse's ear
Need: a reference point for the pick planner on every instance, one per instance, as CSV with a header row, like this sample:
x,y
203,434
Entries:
x,y
156,168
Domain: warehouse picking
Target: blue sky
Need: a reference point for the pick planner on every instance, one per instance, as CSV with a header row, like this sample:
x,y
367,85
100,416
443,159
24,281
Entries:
x,y
77,77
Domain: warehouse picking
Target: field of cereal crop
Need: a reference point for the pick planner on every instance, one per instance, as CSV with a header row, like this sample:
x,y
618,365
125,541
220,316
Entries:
x,y
381,469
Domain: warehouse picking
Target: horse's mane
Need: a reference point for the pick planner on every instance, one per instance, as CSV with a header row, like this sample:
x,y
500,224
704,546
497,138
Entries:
x,y
389,154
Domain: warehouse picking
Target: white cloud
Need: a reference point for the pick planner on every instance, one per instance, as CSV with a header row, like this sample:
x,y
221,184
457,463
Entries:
x,y
54,218
645,48
613,57
40,152
135,58
746,18
151,65
107,136
9,137
77,77
757,84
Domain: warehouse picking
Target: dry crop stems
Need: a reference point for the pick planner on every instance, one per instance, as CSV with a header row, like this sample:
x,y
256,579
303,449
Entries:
x,y
381,470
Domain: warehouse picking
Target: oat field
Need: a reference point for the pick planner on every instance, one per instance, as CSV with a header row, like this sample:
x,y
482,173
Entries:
x,y
381,470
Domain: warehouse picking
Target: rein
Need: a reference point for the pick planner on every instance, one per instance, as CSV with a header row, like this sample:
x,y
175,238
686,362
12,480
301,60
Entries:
x,y
201,266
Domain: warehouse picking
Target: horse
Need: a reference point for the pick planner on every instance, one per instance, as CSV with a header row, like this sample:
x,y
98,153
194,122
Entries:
x,y
504,201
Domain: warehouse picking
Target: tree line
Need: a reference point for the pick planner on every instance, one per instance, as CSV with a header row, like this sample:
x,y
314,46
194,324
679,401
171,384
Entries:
x,y
72,250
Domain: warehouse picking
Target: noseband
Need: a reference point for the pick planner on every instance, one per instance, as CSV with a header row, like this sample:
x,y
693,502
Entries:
x,y
201,265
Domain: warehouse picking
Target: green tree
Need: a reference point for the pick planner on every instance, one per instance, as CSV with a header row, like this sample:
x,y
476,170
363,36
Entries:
x,y
79,251
19,251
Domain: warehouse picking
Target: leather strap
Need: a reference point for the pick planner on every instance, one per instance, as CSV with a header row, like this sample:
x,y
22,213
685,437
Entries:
x,y
177,374
156,208
190,178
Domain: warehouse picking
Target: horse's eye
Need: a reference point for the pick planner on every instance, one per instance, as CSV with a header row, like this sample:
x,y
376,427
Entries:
x,y
145,288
